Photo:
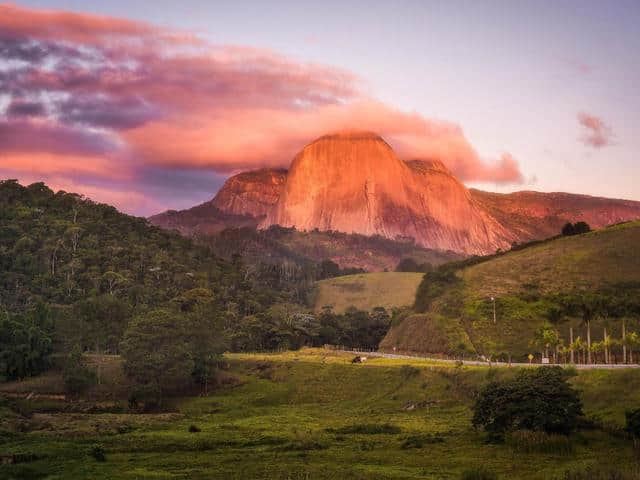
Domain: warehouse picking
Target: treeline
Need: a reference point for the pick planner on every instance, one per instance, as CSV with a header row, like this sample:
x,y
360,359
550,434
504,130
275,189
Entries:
x,y
75,275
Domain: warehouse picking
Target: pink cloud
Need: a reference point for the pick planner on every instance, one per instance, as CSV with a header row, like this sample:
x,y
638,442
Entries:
x,y
596,133
130,96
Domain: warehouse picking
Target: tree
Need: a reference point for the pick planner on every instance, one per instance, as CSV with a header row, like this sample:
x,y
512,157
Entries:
x,y
546,337
156,353
25,342
633,423
633,342
585,305
568,229
575,228
581,227
76,376
540,399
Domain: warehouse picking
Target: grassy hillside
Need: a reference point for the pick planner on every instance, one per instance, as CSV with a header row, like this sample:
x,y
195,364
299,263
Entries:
x,y
300,415
457,316
367,291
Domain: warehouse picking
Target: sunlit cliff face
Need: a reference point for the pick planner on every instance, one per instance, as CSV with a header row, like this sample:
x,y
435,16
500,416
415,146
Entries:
x,y
353,181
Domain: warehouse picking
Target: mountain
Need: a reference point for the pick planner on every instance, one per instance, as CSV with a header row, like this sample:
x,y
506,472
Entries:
x,y
353,182
453,312
251,193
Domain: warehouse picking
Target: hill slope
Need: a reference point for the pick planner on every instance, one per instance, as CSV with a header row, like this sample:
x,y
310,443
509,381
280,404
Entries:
x,y
367,291
454,314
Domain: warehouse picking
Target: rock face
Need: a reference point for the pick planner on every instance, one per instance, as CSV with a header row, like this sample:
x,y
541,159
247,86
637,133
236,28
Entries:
x,y
535,215
251,193
353,182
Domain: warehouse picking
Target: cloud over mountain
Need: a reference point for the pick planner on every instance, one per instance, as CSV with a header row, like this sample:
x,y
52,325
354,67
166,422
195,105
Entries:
x,y
140,100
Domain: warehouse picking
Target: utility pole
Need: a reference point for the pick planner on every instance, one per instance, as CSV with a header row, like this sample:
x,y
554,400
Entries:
x,y
493,299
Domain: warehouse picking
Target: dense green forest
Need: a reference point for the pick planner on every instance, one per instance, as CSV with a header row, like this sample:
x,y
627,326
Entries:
x,y
78,273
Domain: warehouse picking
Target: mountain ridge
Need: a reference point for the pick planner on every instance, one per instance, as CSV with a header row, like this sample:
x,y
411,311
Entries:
x,y
352,181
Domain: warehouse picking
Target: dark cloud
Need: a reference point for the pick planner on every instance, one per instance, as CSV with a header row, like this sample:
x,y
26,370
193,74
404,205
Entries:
x,y
26,136
107,111
25,108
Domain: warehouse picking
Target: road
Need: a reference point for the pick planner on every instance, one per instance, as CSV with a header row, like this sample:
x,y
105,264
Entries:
x,y
597,366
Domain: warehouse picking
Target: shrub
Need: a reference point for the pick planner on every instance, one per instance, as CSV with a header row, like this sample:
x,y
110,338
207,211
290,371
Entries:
x,y
633,423
97,452
76,376
194,429
528,441
539,399
366,429
478,473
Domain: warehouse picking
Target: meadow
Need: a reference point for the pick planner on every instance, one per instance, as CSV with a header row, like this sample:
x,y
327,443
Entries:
x,y
366,291
310,414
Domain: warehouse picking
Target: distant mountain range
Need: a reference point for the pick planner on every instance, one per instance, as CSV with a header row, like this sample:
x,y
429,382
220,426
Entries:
x,y
353,182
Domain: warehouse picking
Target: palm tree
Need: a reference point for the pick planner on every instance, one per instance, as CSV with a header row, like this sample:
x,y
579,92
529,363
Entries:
x,y
578,345
633,341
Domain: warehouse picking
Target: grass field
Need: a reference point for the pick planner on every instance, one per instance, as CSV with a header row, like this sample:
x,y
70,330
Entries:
x,y
310,415
366,291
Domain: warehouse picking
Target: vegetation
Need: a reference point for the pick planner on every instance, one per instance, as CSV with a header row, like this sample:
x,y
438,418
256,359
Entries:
x,y
633,422
25,342
269,415
366,291
577,228
78,273
538,400
76,376
569,299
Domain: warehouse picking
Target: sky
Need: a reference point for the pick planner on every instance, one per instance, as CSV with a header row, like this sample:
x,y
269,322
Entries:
x,y
152,105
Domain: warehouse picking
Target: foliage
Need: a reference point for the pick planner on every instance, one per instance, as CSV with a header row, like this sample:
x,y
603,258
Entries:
x,y
408,264
633,422
575,228
25,342
156,352
433,285
97,452
539,400
76,376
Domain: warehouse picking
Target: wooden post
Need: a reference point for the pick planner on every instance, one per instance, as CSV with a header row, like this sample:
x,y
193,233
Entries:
x,y
624,345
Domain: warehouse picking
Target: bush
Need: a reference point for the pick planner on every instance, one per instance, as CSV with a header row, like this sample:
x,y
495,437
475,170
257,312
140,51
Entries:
x,y
528,441
540,399
575,228
478,473
97,452
633,423
194,429
419,441
366,429
76,376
